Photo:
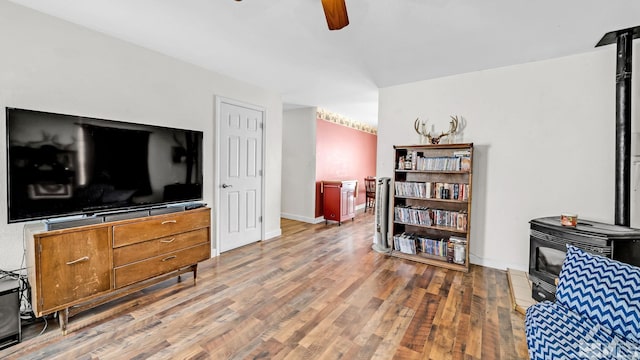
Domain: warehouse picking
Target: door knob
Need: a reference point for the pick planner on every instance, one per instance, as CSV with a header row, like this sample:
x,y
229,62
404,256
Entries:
x,y
224,186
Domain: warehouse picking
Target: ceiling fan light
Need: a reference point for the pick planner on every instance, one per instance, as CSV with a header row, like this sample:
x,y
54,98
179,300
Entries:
x,y
336,13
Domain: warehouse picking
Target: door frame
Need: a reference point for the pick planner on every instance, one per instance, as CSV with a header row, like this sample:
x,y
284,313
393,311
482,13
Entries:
x,y
219,100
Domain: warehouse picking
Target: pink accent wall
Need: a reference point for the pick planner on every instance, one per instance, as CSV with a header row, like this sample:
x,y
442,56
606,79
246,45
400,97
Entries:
x,y
343,153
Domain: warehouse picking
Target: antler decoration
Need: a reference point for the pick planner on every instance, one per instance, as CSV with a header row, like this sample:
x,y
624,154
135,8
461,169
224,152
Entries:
x,y
421,129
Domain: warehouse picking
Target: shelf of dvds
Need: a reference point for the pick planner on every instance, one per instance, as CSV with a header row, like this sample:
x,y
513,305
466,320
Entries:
x,y
432,204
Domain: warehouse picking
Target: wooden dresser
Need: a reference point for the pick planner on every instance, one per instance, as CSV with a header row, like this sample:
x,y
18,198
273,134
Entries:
x,y
339,200
71,270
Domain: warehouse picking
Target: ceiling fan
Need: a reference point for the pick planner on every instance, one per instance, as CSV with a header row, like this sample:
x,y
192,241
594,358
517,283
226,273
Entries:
x,y
336,13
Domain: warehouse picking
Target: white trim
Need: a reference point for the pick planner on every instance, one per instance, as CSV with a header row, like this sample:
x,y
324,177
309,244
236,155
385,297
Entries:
x,y
273,234
216,166
495,264
302,218
359,210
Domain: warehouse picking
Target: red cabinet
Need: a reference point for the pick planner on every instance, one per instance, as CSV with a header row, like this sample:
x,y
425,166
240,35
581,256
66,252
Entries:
x,y
339,200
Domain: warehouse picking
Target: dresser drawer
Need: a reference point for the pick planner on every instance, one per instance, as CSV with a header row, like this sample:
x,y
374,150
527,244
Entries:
x,y
159,265
76,266
159,226
156,247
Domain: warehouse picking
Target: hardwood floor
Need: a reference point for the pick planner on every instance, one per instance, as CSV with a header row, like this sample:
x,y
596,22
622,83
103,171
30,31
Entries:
x,y
317,292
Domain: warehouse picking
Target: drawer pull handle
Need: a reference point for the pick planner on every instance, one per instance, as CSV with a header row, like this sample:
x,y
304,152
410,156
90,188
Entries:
x,y
167,241
169,258
169,222
84,258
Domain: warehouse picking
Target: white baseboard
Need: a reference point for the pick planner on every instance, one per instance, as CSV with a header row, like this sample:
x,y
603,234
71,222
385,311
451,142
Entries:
x,y
302,218
495,264
272,234
359,209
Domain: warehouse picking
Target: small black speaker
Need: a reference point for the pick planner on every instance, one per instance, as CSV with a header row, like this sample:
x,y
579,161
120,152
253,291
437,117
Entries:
x,y
9,313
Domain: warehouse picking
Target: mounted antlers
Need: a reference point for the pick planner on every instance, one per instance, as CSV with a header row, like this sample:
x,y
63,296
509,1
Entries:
x,y
422,130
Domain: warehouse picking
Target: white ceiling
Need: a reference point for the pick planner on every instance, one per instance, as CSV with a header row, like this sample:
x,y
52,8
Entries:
x,y
284,45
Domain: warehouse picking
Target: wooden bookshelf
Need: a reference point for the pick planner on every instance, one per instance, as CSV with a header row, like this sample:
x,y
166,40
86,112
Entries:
x,y
431,204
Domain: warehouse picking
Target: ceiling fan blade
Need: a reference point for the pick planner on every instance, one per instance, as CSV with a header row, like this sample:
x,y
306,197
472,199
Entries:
x,y
336,13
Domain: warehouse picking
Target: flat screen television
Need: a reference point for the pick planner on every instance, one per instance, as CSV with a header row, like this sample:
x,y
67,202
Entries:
x,y
63,165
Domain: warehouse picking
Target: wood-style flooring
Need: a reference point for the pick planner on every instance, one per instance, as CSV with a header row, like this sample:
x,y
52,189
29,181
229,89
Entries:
x,y
316,292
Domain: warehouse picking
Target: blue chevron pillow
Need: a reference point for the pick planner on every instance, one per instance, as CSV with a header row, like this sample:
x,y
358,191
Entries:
x,y
603,290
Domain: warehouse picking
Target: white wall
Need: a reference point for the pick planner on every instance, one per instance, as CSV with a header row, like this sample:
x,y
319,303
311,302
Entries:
x,y
544,136
299,164
51,65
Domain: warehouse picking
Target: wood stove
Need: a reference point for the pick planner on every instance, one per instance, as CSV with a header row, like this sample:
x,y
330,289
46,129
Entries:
x,y
548,238
548,243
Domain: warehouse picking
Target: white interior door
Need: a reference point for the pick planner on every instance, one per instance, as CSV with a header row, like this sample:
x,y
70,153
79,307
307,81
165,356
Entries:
x,y
240,181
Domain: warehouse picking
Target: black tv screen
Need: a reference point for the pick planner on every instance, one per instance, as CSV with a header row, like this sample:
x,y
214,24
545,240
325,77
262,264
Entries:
x,y
62,165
